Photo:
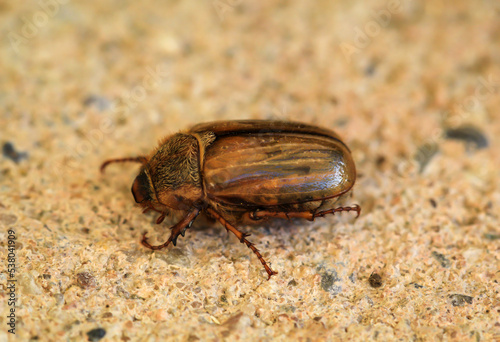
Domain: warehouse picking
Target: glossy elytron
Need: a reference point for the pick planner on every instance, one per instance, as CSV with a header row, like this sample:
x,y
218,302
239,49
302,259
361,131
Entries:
x,y
242,172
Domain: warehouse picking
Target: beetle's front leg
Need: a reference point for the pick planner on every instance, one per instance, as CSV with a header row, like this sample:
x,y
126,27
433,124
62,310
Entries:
x,y
308,215
242,237
178,229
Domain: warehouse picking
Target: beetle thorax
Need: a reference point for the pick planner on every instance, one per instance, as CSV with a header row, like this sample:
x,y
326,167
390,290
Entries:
x,y
174,171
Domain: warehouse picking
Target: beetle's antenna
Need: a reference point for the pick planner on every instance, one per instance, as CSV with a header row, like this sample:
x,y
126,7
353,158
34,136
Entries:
x,y
140,159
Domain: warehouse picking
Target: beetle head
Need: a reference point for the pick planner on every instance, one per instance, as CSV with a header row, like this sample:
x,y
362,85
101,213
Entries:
x,y
142,189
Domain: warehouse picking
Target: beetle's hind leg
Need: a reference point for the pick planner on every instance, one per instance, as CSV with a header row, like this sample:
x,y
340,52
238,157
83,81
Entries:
x,y
322,213
242,237
140,159
178,229
308,215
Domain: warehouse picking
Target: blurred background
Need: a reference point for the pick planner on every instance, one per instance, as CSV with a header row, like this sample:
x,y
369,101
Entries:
x,y
412,87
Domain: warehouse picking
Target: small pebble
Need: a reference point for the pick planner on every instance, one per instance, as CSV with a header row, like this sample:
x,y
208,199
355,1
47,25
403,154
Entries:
x,y
442,259
9,152
95,335
28,284
492,236
460,300
85,280
472,136
328,280
375,280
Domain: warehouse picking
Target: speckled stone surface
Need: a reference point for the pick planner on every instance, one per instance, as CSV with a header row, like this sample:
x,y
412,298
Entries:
x,y
412,88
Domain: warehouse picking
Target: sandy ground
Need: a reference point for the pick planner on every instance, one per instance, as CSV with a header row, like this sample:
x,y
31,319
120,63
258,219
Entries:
x,y
412,88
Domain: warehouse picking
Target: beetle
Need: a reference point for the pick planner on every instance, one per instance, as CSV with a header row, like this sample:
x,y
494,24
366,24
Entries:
x,y
241,172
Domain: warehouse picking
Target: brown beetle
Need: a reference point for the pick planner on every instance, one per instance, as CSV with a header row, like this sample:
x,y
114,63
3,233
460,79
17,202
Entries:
x,y
244,171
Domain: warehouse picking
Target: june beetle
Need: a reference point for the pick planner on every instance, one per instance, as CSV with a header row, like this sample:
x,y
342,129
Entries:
x,y
241,172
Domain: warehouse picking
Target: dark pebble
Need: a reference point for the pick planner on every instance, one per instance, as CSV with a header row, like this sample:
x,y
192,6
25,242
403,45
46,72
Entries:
x,y
492,236
471,135
96,334
328,280
442,259
460,300
9,151
375,280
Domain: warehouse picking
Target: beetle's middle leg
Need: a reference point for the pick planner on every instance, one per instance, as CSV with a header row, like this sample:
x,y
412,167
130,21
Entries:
x,y
242,237
178,229
308,215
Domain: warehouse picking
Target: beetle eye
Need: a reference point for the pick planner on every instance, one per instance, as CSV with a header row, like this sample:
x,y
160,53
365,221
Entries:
x,y
141,188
